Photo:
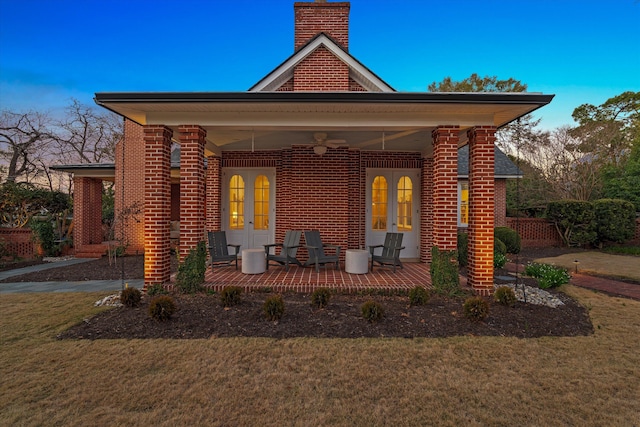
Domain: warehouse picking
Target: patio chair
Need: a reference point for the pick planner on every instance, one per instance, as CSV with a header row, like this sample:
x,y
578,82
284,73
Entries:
x,y
288,249
219,250
390,255
317,254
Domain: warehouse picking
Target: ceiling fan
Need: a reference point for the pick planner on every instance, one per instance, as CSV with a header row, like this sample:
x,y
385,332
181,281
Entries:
x,y
321,143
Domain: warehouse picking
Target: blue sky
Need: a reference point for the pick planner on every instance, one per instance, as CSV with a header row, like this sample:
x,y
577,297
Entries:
x,y
51,50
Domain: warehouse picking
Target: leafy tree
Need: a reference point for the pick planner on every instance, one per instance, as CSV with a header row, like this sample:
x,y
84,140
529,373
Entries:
x,y
624,182
475,83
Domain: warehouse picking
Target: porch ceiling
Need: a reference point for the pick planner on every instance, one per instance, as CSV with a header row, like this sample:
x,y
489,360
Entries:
x,y
273,120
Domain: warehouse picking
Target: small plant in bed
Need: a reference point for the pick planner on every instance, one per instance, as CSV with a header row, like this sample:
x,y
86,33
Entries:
x,y
130,297
372,311
418,295
504,295
320,297
548,276
476,308
162,307
231,295
274,308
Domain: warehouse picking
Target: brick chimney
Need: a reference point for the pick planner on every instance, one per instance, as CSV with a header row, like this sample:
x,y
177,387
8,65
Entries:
x,y
312,18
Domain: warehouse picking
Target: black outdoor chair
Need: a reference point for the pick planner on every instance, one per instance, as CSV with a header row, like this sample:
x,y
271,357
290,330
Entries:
x,y
317,254
390,255
288,249
219,250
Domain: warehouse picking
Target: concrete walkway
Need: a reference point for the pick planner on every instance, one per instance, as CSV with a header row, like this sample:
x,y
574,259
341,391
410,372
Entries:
x,y
84,286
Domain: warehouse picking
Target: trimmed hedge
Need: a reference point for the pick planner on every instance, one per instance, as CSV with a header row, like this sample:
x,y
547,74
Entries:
x,y
509,237
615,220
581,223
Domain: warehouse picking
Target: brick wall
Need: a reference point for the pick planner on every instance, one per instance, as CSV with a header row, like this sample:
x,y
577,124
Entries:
x,y
321,71
445,187
481,208
192,187
157,204
330,18
87,214
18,242
132,166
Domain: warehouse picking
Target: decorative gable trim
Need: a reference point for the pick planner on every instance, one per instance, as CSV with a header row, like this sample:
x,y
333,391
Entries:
x,y
357,71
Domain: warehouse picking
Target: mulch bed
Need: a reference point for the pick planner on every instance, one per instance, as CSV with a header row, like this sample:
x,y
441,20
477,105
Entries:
x,y
202,316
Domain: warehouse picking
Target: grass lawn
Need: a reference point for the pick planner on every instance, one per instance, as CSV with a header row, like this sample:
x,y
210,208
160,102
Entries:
x,y
367,382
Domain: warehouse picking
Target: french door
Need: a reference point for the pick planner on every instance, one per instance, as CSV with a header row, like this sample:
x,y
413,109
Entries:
x,y
393,205
248,206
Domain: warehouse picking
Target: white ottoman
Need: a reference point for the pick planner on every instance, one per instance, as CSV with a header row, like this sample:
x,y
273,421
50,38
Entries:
x,y
356,261
253,261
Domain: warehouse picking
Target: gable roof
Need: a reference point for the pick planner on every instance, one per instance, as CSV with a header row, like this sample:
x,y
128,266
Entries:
x,y
357,71
504,167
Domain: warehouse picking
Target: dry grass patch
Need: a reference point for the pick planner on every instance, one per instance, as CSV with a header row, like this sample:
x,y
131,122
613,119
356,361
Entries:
x,y
598,263
248,381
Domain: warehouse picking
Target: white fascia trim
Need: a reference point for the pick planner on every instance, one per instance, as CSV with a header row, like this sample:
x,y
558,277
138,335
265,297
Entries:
x,y
285,71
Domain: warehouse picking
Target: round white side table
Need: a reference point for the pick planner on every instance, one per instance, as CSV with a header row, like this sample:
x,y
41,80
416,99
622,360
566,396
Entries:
x,y
253,261
356,261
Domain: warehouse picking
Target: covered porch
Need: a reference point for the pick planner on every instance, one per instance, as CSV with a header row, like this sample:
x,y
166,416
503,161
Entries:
x,y
305,279
320,189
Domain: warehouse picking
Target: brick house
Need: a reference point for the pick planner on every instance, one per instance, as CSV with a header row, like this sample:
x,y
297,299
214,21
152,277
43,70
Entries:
x,y
321,142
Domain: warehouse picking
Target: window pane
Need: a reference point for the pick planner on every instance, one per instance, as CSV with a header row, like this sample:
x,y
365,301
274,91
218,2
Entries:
x,y
236,203
405,204
464,203
261,203
379,203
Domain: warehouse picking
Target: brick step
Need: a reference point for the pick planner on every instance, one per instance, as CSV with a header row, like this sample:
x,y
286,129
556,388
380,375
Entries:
x,y
91,251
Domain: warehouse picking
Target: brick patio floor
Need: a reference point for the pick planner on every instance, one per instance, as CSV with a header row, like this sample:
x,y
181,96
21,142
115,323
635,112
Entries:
x,y
301,279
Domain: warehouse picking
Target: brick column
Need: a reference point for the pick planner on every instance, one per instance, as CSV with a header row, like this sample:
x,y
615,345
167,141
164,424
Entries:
x,y
445,187
192,187
426,210
481,208
157,204
213,194
87,212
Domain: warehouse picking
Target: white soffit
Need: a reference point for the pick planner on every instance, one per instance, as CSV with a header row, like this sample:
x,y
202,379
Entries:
x,y
357,71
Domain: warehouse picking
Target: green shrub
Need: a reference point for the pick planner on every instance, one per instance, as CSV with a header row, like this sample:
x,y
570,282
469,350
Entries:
x,y
499,260
156,289
320,297
504,295
553,278
444,272
230,295
463,249
476,308
191,271
499,246
418,295
509,237
372,311
45,236
130,297
162,307
615,220
273,307
548,276
574,221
